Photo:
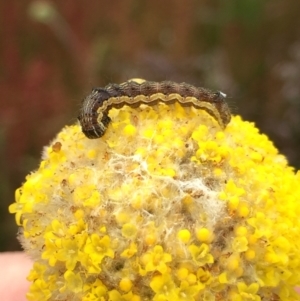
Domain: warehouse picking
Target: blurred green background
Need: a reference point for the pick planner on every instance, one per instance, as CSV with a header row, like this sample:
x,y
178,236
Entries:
x,y
53,52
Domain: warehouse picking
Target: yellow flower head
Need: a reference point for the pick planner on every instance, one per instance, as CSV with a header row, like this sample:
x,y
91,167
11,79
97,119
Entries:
x,y
166,205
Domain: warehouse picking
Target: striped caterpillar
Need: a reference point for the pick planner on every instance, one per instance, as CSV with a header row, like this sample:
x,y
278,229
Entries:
x,y
93,115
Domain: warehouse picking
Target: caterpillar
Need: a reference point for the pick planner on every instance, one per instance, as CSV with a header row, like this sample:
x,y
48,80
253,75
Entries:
x,y
93,115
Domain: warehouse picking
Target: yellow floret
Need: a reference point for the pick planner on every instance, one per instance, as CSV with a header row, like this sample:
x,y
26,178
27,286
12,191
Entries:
x,y
125,284
184,235
129,130
204,235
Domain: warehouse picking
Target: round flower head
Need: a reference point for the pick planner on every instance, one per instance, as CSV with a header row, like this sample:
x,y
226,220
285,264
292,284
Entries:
x,y
166,205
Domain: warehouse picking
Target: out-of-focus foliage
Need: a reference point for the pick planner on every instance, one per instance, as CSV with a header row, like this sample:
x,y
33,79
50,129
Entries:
x,y
53,52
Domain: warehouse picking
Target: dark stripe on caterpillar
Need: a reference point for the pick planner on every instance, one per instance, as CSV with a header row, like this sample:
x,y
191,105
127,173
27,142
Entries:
x,y
93,115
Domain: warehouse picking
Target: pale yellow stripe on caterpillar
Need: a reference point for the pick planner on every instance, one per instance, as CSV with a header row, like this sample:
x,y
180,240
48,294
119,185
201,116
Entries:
x,y
185,101
206,106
